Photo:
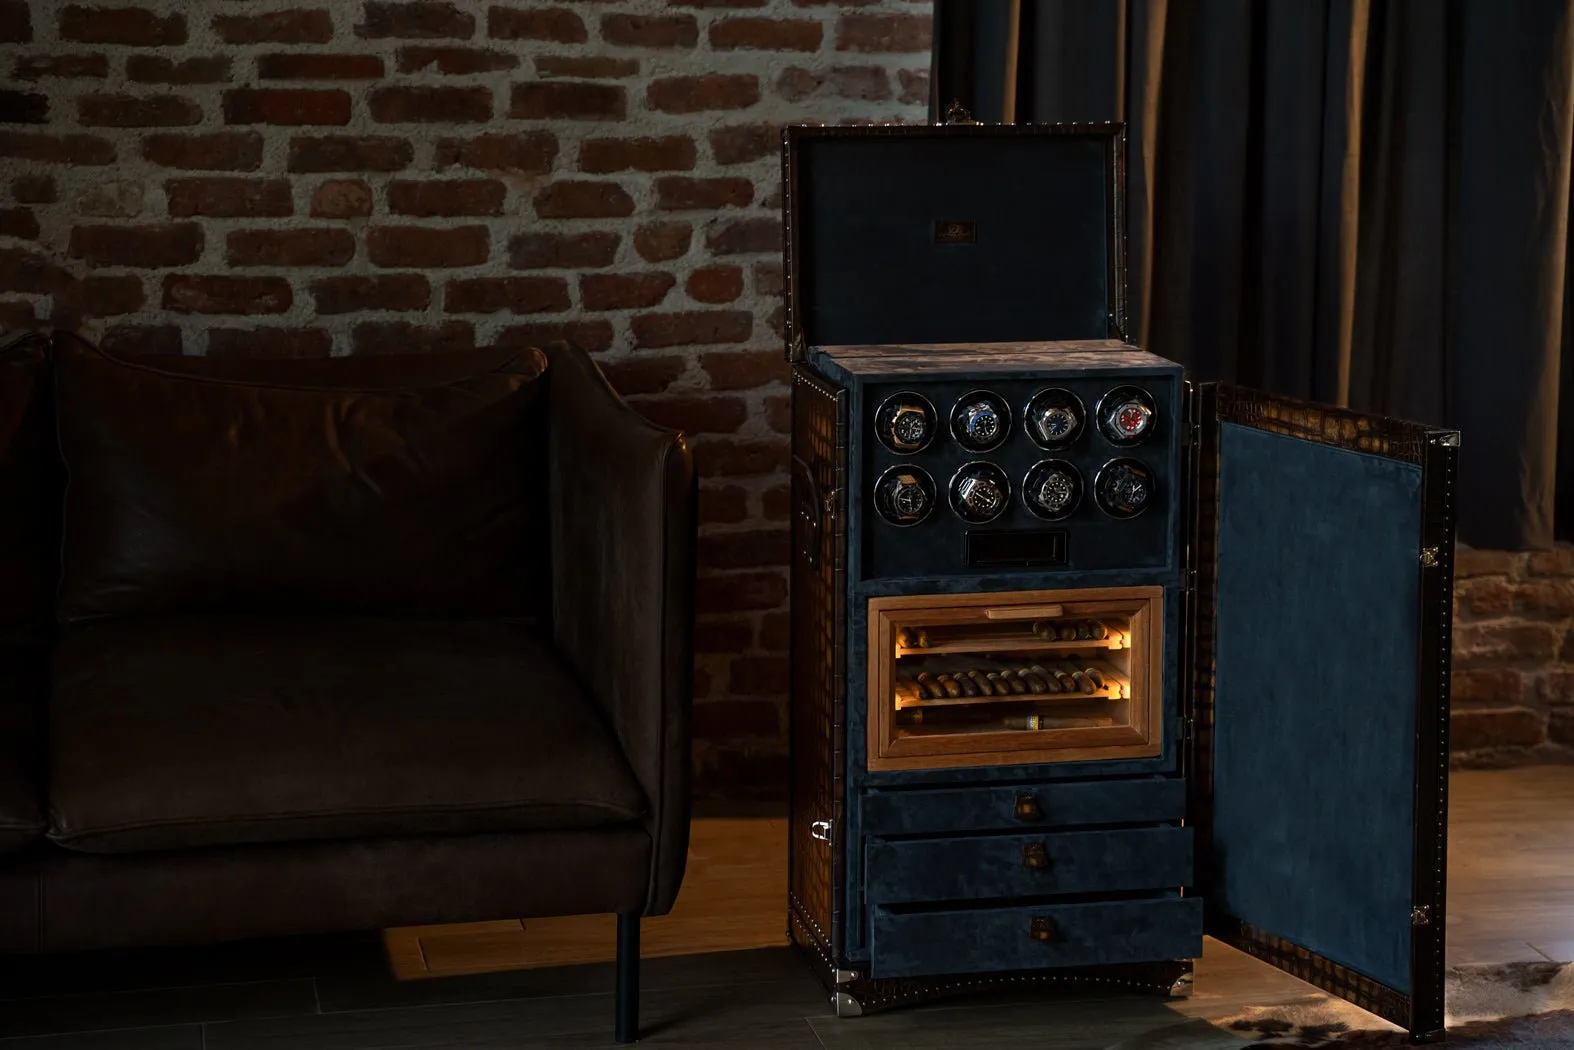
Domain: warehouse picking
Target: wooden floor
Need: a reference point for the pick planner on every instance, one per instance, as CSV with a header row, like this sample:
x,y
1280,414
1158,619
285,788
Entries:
x,y
717,972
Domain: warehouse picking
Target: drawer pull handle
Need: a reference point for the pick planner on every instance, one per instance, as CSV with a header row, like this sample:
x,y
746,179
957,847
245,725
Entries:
x,y
1034,856
1028,810
1041,930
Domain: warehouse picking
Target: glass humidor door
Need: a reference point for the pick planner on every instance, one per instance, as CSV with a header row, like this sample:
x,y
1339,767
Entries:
x,y
1014,678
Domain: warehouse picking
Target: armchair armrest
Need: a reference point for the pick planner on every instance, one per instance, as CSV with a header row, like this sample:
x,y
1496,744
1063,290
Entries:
x,y
624,509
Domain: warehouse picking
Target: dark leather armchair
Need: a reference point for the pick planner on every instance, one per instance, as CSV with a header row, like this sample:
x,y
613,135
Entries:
x,y
297,646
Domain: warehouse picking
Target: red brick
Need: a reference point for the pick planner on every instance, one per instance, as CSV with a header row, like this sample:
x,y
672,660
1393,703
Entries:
x,y
421,246
1559,561
744,369
446,197
57,149
1556,686
715,284
311,247
738,718
1479,644
661,241
590,336
915,85
20,223
1553,598
541,23
695,414
571,199
130,26
773,199
758,675
768,278
22,107
62,67
218,151
421,20
109,296
547,100
737,592
430,105
156,69
454,61
229,197
864,83
723,504
1489,597
778,413
200,294
16,25
602,156
746,549
650,30
269,342
129,111
778,321
775,502
288,107
1471,562
137,340
1560,726
403,337
796,84
590,67
766,34
342,199
624,291
722,636
882,34
568,251
732,457
34,189
691,328
527,153
680,193
299,26
643,375
349,153
713,91
318,66
145,247
744,236
1501,727
353,294
775,632
26,271
520,295
740,144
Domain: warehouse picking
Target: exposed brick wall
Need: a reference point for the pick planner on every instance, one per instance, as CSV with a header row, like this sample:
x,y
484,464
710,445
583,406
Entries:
x,y
277,177
1513,673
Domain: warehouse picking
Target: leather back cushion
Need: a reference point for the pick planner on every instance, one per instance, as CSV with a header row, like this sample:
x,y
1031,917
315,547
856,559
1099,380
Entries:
x,y
30,490
397,485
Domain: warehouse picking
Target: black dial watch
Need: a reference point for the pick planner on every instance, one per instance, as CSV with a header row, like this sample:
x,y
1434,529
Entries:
x,y
1052,489
980,421
905,423
1124,488
980,492
1054,418
904,495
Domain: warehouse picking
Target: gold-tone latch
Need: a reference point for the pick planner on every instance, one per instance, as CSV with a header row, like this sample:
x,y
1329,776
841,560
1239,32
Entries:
x,y
1421,915
1428,557
1035,857
1041,929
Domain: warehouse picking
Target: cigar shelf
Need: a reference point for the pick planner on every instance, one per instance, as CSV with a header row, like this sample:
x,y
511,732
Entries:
x,y
1024,676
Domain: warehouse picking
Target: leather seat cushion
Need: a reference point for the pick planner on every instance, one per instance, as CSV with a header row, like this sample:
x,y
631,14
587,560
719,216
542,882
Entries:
x,y
21,748
332,486
174,733
32,484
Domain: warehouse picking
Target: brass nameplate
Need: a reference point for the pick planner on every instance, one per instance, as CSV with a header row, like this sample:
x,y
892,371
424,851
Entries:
x,y
955,231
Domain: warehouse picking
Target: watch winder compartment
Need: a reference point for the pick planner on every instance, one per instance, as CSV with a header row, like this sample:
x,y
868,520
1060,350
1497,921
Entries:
x,y
1014,678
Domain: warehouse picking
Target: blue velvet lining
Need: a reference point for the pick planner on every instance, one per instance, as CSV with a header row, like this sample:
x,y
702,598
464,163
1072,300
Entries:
x,y
1314,728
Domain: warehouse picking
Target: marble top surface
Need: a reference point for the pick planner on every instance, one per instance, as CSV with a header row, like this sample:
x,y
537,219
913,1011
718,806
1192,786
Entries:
x,y
910,358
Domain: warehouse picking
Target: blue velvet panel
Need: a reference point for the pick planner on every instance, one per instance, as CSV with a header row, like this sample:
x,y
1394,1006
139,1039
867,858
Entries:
x,y
994,808
979,867
975,940
1314,726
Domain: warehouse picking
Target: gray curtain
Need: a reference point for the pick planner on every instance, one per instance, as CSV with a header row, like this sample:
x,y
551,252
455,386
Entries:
x,y
1354,201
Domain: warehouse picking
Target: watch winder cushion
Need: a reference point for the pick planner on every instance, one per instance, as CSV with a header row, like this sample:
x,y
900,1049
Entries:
x,y
275,486
175,733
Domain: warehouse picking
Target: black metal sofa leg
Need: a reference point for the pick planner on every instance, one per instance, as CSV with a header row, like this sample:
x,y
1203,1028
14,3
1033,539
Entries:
x,y
627,1029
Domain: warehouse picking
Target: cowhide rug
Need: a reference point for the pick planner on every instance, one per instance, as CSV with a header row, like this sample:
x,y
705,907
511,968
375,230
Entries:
x,y
1515,1006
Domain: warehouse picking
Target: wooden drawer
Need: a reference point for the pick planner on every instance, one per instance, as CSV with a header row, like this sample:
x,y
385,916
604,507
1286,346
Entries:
x,y
975,940
976,867
1040,805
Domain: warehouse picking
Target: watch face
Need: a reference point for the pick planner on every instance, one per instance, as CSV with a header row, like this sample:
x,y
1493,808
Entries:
x,y
1126,415
1052,489
980,421
1054,418
980,492
904,495
905,423
1124,488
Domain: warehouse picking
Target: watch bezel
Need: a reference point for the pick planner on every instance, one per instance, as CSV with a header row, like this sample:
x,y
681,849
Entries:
x,y
906,468
1003,408
1076,502
1004,478
906,395
1123,394
1098,479
1032,431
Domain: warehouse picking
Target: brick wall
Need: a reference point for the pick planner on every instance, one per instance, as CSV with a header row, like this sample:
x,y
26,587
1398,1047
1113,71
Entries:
x,y
1513,674
277,177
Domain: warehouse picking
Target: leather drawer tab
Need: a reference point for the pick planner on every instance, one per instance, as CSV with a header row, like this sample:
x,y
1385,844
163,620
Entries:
x,y
1049,805
975,940
1007,866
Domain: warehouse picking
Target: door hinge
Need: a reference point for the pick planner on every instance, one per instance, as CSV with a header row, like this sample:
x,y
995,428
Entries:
x,y
1428,557
820,829
1421,915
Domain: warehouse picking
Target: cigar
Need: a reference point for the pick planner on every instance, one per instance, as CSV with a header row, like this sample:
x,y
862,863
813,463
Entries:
x,y
964,682
1084,630
998,683
1098,630
904,638
1095,677
981,683
922,638
1068,633
930,687
1056,680
1014,681
950,685
1045,629
1083,681
1037,683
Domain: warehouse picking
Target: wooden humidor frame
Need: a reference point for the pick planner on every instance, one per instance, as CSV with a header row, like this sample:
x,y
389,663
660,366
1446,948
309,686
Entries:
x,y
1142,738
